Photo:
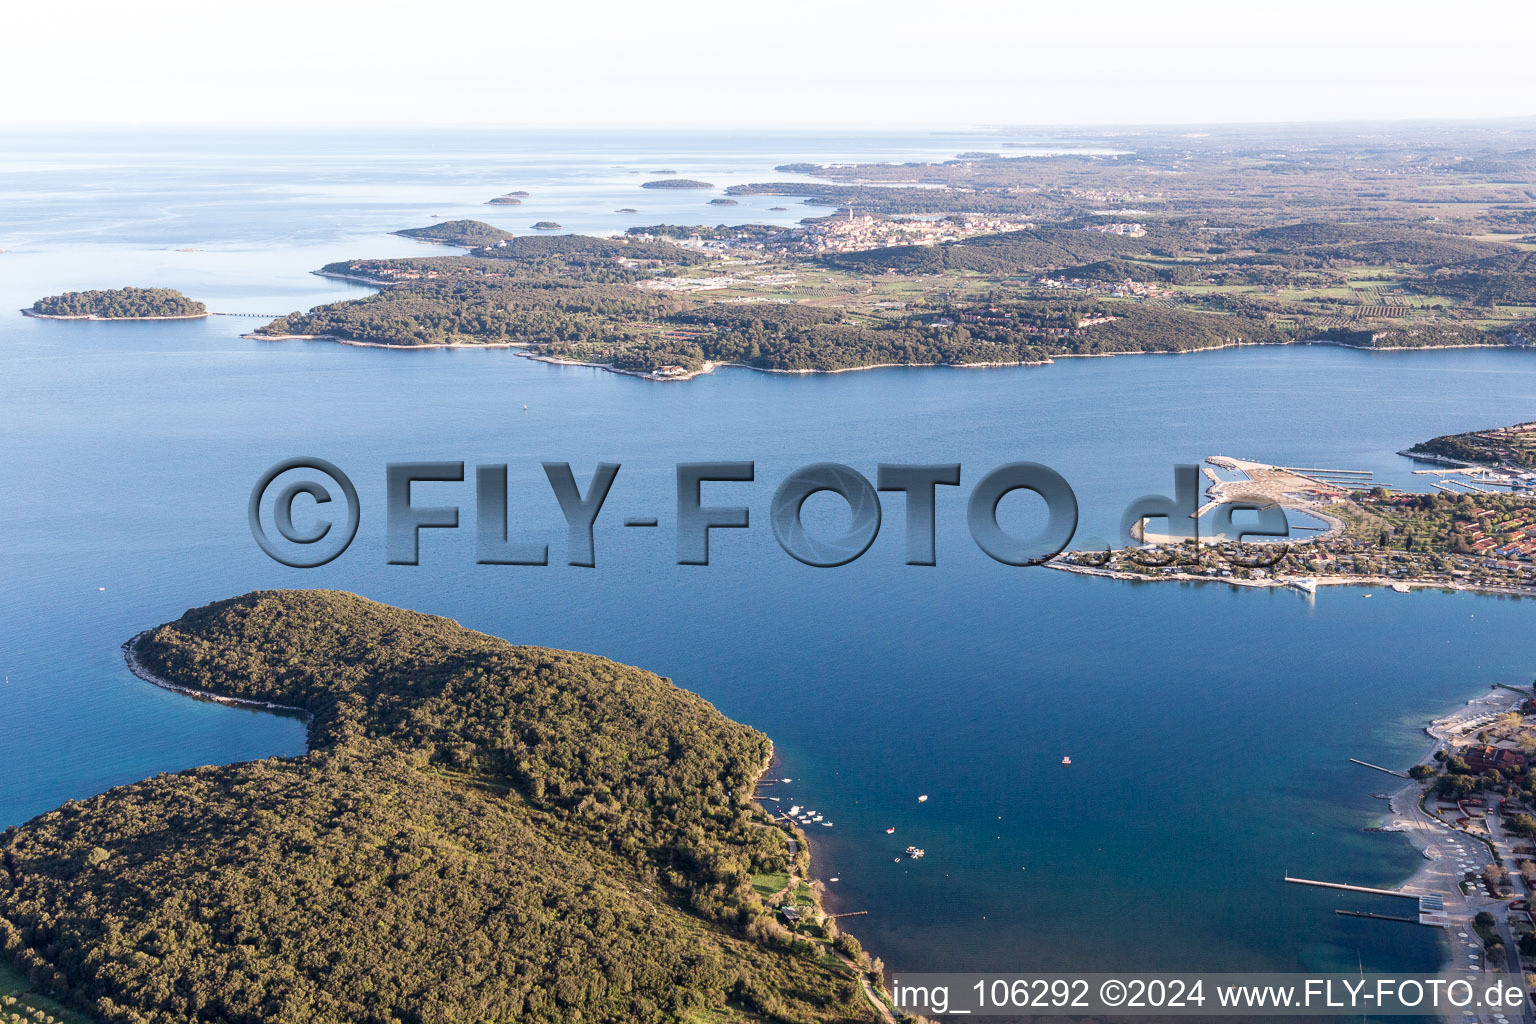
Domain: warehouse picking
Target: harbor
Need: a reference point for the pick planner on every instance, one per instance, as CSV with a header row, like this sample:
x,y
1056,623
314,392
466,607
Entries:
x,y
1462,889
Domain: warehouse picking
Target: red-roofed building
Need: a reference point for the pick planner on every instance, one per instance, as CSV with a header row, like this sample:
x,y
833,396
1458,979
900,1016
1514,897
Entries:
x,y
1488,758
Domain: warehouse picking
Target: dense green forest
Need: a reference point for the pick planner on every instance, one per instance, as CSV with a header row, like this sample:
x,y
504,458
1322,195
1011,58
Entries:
x,y
471,234
480,832
676,183
1006,253
584,250
551,311
120,304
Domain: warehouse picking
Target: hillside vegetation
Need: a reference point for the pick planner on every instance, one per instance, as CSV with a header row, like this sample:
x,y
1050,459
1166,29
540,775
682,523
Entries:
x,y
481,832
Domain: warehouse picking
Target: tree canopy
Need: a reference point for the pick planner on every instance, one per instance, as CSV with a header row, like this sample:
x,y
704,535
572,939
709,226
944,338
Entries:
x,y
120,304
480,832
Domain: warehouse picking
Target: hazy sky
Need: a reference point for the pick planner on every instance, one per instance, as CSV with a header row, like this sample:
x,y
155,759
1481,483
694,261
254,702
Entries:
x,y
849,63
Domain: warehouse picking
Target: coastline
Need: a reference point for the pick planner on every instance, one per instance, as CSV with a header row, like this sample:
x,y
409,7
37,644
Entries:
x,y
130,650
1397,585
1422,827
711,366
874,992
111,319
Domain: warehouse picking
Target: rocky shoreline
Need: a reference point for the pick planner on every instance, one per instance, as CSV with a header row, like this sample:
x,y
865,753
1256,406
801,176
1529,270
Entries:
x,y
137,667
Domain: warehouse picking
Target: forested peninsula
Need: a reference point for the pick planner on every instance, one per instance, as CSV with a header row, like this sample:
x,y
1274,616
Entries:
x,y
118,304
1173,245
480,831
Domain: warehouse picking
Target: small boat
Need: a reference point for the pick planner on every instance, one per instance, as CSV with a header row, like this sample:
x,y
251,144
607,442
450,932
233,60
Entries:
x,y
826,824
786,780
915,852
831,879
794,809
890,831
923,799
897,860
1066,760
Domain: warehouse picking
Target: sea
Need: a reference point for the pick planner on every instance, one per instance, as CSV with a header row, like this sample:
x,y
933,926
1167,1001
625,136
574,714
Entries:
x,y
1209,728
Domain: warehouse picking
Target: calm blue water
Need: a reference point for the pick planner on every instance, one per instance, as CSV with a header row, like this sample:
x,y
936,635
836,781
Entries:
x,y
1208,727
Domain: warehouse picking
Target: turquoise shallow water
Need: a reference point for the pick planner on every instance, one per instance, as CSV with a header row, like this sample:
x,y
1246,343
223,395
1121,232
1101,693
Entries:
x,y
1209,728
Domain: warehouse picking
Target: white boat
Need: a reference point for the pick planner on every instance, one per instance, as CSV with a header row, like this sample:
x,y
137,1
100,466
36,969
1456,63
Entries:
x,y
826,824
923,799
914,852
1066,760
794,810
890,831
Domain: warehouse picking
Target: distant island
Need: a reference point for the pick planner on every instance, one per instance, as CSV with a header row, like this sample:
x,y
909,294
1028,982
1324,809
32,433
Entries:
x,y
119,304
677,183
539,835
507,200
546,225
723,202
470,234
626,209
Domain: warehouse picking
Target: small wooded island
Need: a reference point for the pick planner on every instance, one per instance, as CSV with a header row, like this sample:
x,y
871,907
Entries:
x,y
676,183
470,234
118,304
480,831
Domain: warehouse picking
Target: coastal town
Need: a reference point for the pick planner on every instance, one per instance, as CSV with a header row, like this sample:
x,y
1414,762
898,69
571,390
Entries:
x,y
1479,539
850,231
1469,807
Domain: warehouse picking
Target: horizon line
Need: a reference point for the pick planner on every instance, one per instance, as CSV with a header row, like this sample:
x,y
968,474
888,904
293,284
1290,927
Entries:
x,y
638,128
